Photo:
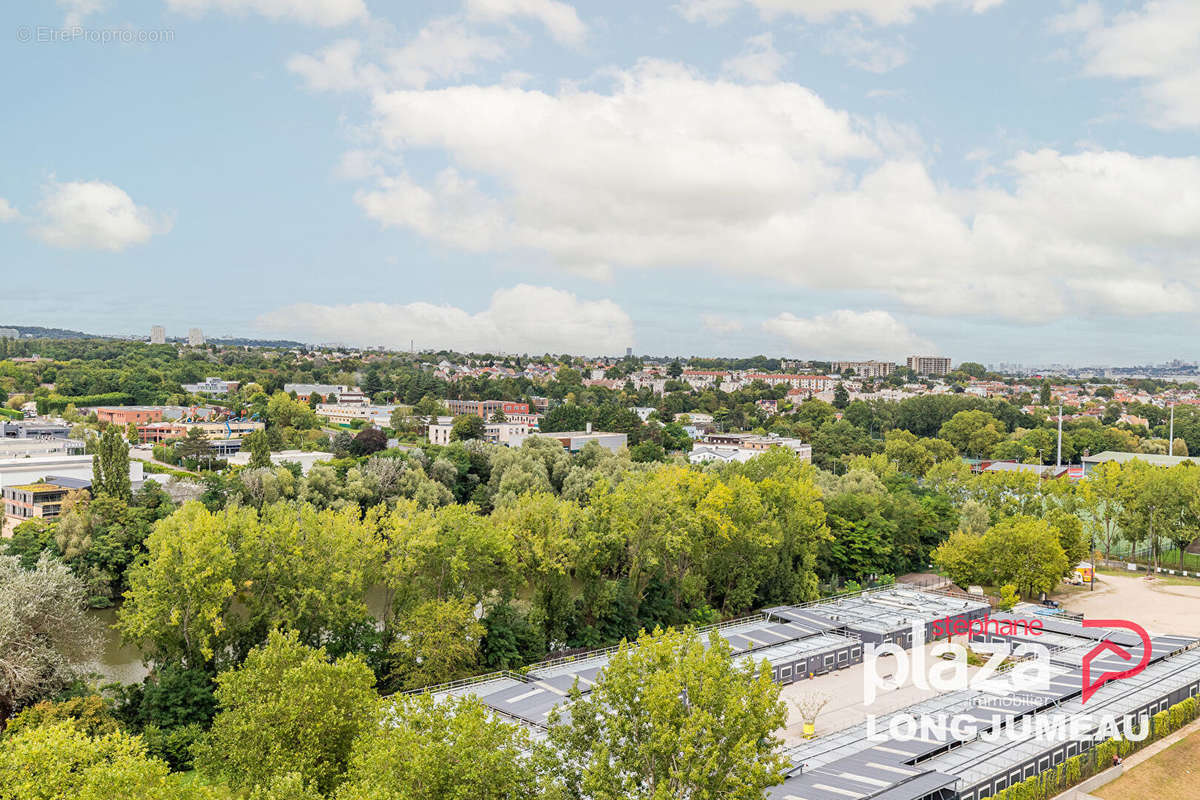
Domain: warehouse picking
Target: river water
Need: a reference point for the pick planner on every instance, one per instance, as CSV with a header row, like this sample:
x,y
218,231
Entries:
x,y
118,663
121,663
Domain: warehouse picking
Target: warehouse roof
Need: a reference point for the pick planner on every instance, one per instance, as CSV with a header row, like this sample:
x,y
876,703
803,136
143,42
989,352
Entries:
x,y
837,767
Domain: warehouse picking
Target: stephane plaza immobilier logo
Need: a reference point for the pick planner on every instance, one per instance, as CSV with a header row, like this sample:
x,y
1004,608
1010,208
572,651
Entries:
x,y
1018,667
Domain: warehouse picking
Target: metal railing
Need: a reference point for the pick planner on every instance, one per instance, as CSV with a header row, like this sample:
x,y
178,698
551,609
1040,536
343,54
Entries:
x,y
523,674
558,661
471,681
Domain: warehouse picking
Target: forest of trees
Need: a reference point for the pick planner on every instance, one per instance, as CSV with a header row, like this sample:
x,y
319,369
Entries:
x,y
276,610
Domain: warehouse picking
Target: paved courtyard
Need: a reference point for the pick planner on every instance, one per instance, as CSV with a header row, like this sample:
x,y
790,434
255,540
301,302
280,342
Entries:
x,y
845,690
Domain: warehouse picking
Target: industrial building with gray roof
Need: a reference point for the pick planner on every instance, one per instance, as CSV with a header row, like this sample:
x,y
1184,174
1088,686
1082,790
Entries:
x,y
1001,742
799,642
988,750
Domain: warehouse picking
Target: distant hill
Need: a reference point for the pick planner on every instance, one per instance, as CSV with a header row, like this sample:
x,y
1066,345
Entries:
x,y
38,332
234,341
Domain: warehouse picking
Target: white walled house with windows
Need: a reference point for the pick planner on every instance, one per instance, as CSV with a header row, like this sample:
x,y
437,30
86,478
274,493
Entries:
x,y
505,433
742,447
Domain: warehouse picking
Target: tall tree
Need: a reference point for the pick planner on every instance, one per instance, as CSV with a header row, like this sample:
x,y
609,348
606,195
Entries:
x,y
449,749
368,441
974,432
60,760
45,632
194,445
440,643
110,467
178,598
287,709
1101,497
1026,552
841,397
670,718
260,449
467,427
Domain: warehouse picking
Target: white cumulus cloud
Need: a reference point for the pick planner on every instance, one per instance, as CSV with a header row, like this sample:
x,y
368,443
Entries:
x,y
1156,45
669,169
79,10
560,19
847,334
759,62
882,12
7,212
94,215
323,13
720,324
866,52
523,319
446,48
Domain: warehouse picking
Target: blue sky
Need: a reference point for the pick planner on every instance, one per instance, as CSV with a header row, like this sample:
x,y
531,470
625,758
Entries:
x,y
996,180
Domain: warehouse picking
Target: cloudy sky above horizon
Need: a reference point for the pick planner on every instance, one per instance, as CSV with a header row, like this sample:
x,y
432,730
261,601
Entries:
x,y
994,180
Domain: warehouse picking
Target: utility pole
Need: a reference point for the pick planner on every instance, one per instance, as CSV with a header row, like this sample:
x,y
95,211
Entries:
x,y
1171,435
1058,458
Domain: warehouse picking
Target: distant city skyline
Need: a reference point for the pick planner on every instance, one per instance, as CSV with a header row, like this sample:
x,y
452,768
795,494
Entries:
x,y
860,179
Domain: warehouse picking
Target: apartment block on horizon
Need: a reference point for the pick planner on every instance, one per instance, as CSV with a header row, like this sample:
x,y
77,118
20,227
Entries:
x,y
865,369
158,334
703,378
803,383
929,365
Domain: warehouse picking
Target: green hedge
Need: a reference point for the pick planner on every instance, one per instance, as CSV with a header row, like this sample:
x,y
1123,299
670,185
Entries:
x,y
57,402
1079,768
11,414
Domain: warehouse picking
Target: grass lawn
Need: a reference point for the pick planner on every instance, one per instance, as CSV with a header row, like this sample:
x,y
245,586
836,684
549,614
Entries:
x,y
1171,775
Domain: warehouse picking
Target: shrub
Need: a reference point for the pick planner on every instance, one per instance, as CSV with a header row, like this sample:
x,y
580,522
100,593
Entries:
x,y
172,745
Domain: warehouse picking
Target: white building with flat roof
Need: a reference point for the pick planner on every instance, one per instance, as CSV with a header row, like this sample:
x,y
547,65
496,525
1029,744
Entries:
x,y
574,441
158,334
743,447
16,471
212,386
506,433
345,414
304,458
33,448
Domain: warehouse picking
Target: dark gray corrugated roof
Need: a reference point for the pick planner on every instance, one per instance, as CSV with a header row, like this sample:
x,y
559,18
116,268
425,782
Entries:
x,y
69,483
